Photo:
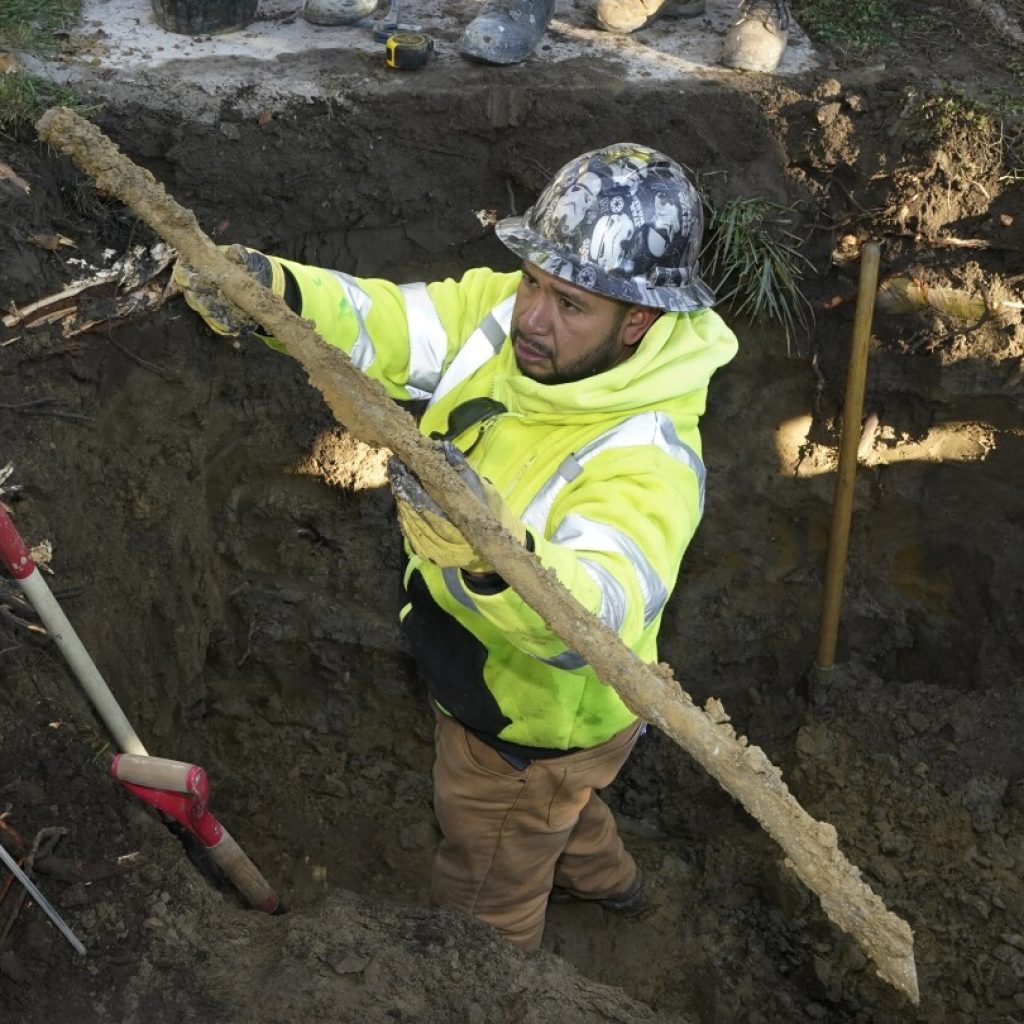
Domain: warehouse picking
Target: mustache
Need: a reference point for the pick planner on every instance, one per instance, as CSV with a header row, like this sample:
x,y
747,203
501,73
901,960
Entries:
x,y
518,335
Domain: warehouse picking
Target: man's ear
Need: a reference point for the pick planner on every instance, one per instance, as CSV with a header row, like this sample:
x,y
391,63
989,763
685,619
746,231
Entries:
x,y
637,323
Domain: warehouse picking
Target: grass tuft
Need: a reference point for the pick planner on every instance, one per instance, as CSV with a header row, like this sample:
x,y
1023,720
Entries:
x,y
31,26
34,26
753,262
853,27
24,97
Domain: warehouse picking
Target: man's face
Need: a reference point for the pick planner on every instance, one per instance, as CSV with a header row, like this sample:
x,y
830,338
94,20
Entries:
x,y
562,333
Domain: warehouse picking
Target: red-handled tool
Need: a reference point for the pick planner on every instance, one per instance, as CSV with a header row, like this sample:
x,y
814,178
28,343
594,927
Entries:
x,y
177,789
182,791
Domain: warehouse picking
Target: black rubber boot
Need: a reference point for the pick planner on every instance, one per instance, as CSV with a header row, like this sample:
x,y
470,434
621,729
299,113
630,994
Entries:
x,y
506,31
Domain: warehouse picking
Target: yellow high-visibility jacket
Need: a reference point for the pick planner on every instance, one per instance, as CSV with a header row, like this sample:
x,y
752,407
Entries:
x,y
605,472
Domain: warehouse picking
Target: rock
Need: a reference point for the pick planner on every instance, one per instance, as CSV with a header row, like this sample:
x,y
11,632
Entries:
x,y
895,843
417,837
918,722
982,796
885,872
830,89
965,1001
1013,958
828,113
1015,794
814,741
349,964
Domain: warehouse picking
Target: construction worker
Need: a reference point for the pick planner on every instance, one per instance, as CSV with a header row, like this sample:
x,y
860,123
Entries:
x,y
567,393
506,31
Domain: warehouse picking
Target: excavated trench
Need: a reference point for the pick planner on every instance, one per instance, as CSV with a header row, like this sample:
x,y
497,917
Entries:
x,y
238,567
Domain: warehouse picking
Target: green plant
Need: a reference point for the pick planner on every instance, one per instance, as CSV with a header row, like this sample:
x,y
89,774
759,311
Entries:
x,y
32,25
852,28
23,97
752,260
956,112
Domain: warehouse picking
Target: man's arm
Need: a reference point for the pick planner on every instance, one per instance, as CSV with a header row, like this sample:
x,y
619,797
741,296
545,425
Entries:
x,y
404,336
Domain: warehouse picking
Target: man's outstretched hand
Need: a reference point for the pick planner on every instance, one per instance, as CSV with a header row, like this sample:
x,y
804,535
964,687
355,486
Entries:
x,y
220,313
431,534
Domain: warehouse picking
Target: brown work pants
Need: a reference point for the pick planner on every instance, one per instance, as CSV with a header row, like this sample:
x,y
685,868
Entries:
x,y
509,835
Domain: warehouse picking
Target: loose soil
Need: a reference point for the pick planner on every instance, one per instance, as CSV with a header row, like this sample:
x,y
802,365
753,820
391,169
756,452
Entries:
x,y
230,558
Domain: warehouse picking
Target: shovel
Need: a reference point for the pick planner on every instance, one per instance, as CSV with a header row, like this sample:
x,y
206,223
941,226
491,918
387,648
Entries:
x,y
181,791
177,789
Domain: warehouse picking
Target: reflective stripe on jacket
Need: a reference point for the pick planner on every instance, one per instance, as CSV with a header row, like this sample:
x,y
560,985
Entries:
x,y
606,473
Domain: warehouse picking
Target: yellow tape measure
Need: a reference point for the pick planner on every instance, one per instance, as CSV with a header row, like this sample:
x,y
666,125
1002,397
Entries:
x,y
408,51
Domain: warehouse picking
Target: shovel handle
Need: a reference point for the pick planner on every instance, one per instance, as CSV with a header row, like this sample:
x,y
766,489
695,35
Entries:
x,y
14,552
162,773
17,559
243,874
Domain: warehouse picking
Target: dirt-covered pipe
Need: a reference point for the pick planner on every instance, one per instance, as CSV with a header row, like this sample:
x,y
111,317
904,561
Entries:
x,y
811,847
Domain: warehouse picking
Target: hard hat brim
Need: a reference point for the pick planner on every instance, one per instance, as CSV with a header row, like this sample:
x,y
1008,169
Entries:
x,y
687,297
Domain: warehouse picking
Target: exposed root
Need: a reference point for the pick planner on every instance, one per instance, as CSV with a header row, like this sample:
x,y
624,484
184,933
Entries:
x,y
1001,21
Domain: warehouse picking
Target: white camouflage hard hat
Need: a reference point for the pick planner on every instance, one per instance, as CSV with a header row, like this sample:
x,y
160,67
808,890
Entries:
x,y
624,222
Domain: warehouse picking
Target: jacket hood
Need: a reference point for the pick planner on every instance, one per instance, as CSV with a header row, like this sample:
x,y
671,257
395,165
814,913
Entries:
x,y
670,370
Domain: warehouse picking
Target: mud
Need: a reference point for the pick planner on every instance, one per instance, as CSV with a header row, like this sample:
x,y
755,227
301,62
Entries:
x,y
230,558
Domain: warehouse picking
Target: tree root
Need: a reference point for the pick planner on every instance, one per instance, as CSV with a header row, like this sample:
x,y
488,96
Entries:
x,y
1000,20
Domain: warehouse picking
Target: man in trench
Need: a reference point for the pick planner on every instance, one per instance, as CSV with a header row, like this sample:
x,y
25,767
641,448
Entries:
x,y
567,394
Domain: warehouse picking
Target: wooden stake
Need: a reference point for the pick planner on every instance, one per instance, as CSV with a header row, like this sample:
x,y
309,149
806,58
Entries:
x,y
842,501
362,405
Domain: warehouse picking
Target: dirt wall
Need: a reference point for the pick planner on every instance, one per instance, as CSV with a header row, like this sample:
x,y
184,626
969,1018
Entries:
x,y
230,558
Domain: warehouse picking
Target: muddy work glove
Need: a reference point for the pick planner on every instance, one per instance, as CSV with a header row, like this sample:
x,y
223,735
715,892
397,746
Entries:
x,y
220,313
431,534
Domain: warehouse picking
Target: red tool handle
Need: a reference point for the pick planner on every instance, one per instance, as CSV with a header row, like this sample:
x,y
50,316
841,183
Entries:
x,y
13,551
216,840
183,809
162,773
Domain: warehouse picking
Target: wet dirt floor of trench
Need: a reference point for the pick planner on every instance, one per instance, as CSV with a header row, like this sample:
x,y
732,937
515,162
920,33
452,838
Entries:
x,y
230,557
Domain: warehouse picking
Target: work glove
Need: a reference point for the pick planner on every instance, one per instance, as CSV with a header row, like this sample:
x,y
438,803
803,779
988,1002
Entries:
x,y
219,312
431,534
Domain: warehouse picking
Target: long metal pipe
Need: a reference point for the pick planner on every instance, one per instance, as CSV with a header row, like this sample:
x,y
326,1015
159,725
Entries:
x,y
47,906
842,501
